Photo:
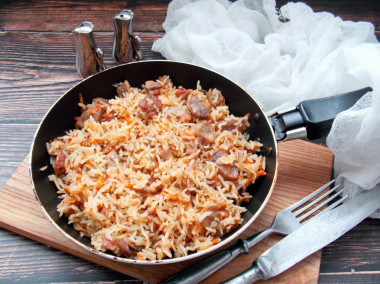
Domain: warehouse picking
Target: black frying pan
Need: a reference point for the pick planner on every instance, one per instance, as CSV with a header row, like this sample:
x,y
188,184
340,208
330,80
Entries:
x,y
60,118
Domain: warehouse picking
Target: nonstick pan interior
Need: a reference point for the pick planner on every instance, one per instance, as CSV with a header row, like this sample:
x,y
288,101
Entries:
x,y
60,118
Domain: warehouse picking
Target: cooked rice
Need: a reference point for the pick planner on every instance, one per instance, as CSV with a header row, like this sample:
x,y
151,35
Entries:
x,y
144,187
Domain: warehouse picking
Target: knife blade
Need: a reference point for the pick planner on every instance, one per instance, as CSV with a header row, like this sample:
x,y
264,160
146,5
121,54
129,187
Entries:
x,y
314,235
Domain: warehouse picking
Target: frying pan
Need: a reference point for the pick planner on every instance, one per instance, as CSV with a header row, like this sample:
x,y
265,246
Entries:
x,y
310,119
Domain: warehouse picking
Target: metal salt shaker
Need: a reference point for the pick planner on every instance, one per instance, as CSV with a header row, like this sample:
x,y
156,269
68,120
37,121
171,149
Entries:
x,y
88,57
126,44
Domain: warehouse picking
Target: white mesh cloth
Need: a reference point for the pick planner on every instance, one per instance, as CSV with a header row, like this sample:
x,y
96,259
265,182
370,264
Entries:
x,y
286,56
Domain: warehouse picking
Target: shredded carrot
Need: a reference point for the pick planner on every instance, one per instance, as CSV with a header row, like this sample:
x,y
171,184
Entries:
x,y
70,200
215,241
187,119
247,161
185,206
140,256
248,182
100,182
261,173
129,185
183,182
166,94
81,98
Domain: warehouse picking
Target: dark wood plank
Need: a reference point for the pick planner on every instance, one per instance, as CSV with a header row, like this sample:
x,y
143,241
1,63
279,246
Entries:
x,y
24,261
34,75
358,250
15,141
47,15
360,278
50,15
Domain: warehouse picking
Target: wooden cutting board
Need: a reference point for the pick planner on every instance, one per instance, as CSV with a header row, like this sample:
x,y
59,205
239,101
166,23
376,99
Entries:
x,y
303,168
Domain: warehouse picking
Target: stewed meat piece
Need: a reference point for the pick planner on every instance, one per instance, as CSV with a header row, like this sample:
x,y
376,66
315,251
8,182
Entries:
x,y
180,113
182,92
97,109
205,131
59,165
123,88
198,108
217,155
165,155
151,105
208,215
240,123
228,172
153,87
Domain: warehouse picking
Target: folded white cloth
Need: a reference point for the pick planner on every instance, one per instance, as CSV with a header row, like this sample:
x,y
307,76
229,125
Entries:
x,y
285,56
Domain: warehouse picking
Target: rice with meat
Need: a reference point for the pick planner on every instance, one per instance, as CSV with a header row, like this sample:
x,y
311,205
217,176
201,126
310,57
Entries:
x,y
157,172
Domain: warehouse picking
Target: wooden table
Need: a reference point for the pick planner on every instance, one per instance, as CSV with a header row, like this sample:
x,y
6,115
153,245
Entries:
x,y
37,65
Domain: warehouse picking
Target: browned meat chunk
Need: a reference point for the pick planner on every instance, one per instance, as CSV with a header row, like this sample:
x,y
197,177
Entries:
x,y
59,165
217,155
190,151
151,105
123,88
239,123
165,155
148,190
205,131
126,247
108,244
228,172
197,108
96,110
180,113
208,215
182,92
153,87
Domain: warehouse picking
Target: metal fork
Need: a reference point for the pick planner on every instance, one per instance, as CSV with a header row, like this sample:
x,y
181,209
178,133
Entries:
x,y
285,222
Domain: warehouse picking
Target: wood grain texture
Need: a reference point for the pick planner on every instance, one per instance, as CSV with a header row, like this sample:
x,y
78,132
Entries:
x,y
32,260
48,72
353,249
20,213
61,16
44,15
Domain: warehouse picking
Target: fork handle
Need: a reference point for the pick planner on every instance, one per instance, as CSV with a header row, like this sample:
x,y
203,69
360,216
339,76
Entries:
x,y
209,266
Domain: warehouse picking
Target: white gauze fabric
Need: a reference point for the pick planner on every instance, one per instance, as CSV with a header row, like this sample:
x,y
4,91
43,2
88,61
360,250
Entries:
x,y
285,56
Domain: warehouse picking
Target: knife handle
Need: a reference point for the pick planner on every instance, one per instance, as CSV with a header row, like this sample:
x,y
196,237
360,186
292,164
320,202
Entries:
x,y
208,266
248,276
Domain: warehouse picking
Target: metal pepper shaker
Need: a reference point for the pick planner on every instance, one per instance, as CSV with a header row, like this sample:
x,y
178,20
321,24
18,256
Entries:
x,y
88,57
126,44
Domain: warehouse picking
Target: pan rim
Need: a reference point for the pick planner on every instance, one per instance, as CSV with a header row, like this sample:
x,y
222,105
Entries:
x,y
226,242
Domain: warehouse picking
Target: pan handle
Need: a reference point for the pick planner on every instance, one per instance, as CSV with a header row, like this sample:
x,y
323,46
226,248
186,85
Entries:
x,y
312,119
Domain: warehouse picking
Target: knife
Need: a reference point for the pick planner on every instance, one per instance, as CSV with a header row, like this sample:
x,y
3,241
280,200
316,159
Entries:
x,y
314,235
